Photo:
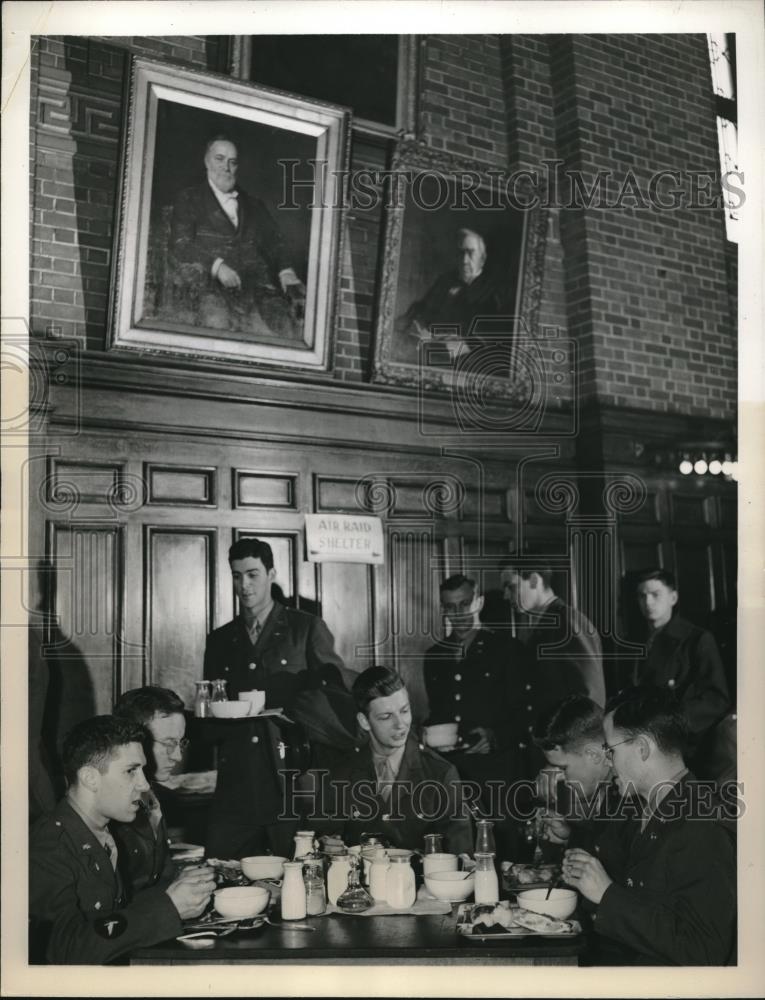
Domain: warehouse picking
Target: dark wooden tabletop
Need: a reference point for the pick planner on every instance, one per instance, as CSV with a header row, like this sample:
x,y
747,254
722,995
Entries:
x,y
342,937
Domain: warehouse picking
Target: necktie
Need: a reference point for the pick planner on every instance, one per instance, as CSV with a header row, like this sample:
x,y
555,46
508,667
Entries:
x,y
111,848
385,778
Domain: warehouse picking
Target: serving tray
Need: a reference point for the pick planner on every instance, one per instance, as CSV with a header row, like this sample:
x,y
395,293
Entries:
x,y
465,927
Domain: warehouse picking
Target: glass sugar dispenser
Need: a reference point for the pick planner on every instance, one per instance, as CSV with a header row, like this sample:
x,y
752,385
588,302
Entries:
x,y
315,889
355,899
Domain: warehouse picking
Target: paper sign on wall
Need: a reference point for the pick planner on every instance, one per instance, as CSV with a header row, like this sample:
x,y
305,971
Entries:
x,y
344,538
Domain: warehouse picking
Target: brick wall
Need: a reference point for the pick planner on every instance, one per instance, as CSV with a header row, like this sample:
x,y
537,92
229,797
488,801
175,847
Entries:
x,y
646,294
646,290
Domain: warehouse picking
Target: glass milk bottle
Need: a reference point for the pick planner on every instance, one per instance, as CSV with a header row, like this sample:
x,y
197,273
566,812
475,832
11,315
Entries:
x,y
486,881
304,843
337,877
202,700
378,876
401,891
219,690
293,892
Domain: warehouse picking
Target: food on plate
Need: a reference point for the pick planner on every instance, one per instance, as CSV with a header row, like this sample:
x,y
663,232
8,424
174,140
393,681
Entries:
x,y
506,919
541,924
530,874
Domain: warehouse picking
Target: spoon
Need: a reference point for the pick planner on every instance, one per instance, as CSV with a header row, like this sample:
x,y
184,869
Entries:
x,y
289,925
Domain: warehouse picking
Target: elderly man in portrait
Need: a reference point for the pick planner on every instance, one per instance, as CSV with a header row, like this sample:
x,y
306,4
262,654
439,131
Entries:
x,y
81,911
457,298
231,271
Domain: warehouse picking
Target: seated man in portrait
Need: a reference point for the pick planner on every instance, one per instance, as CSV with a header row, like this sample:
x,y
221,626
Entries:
x,y
663,884
81,912
458,297
143,844
232,273
391,785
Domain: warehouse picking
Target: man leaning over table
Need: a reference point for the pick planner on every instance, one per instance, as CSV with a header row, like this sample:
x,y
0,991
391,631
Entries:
x,y
673,901
81,913
143,844
291,656
391,785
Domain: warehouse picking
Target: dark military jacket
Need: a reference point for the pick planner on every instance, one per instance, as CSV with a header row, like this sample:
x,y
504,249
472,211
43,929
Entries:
x,y
564,657
295,663
80,913
685,658
674,901
144,858
471,689
427,800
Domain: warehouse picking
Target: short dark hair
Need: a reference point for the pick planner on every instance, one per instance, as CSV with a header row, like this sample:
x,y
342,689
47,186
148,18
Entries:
x,y
543,571
571,723
142,704
252,548
92,743
662,575
652,711
455,581
375,682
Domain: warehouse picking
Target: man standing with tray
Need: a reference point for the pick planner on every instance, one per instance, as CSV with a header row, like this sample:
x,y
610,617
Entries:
x,y
291,656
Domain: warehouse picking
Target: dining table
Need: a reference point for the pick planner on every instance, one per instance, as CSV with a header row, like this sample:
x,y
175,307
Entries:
x,y
345,939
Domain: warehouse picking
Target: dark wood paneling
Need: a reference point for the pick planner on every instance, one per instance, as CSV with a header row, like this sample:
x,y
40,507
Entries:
x,y
180,486
693,570
347,602
261,489
86,595
690,511
178,604
73,483
335,494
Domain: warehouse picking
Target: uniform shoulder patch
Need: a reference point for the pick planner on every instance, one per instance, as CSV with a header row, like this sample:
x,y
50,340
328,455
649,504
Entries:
x,y
112,926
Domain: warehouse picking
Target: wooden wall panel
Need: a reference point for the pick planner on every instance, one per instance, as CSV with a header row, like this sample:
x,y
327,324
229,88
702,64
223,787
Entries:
x,y
347,602
693,570
178,605
260,489
180,486
83,649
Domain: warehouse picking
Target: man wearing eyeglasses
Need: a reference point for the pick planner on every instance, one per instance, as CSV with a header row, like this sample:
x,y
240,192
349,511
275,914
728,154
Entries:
x,y
144,842
664,883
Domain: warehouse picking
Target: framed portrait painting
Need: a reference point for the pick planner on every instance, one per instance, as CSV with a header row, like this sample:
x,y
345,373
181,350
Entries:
x,y
229,234
462,274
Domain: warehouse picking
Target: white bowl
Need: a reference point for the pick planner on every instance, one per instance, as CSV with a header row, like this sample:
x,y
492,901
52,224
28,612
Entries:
x,y
230,709
257,700
561,904
263,866
241,901
441,736
452,887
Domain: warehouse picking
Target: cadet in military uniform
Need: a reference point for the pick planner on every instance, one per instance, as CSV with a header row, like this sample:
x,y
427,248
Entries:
x,y
564,657
673,901
682,657
143,844
80,911
291,656
391,785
